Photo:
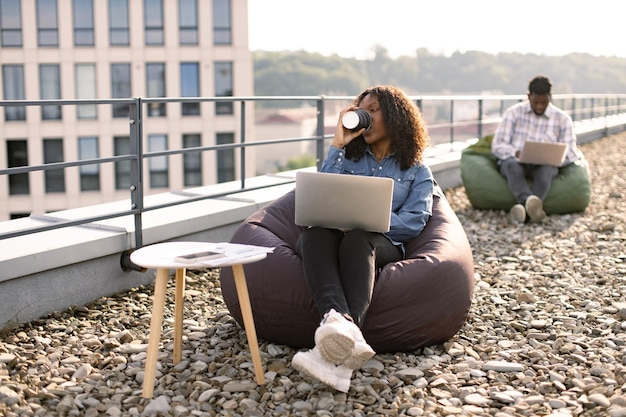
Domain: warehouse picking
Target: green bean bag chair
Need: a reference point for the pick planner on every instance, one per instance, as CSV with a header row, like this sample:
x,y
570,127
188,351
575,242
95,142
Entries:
x,y
487,189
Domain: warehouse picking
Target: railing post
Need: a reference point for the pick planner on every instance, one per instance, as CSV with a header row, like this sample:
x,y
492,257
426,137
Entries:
x,y
319,148
136,167
451,124
593,108
480,118
606,116
242,155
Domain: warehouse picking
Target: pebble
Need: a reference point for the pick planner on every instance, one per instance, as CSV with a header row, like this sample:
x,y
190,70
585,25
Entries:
x,y
545,336
502,366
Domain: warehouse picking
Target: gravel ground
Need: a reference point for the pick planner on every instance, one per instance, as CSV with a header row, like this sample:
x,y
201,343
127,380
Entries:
x,y
545,336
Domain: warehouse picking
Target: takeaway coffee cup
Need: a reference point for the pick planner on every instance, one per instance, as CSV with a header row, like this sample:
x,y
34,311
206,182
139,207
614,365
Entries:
x,y
356,119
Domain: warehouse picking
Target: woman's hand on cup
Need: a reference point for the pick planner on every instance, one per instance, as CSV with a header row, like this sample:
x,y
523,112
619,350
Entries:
x,y
344,136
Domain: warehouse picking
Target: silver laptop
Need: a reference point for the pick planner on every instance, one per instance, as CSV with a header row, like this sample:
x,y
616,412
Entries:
x,y
542,153
342,201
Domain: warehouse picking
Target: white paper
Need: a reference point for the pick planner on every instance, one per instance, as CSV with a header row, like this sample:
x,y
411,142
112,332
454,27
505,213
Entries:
x,y
232,252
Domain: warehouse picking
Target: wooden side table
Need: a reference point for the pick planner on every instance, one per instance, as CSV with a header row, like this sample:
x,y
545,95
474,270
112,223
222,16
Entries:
x,y
161,256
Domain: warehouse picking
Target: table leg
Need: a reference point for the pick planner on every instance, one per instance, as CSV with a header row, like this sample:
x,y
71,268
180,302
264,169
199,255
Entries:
x,y
248,321
156,322
179,300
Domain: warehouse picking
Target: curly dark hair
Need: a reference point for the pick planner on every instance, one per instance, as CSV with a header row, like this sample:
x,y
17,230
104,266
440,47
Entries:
x,y
403,123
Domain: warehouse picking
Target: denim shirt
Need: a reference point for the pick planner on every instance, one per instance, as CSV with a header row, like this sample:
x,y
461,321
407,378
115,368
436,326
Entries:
x,y
412,191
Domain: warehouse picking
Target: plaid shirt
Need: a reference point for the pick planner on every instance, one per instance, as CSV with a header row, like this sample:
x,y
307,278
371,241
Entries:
x,y
520,123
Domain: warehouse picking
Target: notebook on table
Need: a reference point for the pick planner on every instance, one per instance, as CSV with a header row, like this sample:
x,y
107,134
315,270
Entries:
x,y
342,201
542,153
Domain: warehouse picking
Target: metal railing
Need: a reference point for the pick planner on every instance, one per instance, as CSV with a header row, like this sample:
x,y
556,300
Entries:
x,y
441,113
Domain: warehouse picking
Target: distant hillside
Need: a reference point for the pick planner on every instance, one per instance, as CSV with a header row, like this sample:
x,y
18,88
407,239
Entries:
x,y
304,73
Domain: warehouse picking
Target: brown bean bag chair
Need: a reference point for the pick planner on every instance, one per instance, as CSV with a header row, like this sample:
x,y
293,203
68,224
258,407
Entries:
x,y
420,301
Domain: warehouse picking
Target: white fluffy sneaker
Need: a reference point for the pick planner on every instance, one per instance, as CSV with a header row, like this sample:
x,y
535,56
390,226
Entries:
x,y
334,338
340,341
311,363
361,353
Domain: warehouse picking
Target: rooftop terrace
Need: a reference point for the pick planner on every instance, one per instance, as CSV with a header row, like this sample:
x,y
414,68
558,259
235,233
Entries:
x,y
545,336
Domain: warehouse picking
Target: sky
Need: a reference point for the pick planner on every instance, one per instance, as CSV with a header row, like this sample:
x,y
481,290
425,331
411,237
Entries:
x,y
353,28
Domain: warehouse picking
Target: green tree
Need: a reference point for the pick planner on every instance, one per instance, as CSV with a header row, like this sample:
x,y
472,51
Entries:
x,y
303,73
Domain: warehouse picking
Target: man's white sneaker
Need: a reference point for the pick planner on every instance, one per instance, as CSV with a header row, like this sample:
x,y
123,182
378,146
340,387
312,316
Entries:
x,y
334,338
312,364
517,214
534,208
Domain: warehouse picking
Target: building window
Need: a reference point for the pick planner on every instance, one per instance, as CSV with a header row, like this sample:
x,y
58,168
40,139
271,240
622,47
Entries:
x,y
13,85
225,158
190,87
17,154
158,165
89,174
222,29
155,76
83,23
50,89
120,87
54,178
192,162
86,89
153,15
188,22
118,23
224,86
121,146
10,23
47,23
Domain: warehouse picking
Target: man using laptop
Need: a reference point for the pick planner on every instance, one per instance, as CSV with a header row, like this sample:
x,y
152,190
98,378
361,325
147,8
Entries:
x,y
534,120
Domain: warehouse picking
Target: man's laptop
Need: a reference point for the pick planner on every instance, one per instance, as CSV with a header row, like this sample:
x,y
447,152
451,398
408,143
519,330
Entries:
x,y
543,153
343,201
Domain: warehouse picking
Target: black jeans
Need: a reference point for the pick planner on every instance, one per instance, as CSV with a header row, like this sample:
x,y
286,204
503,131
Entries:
x,y
516,174
340,268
